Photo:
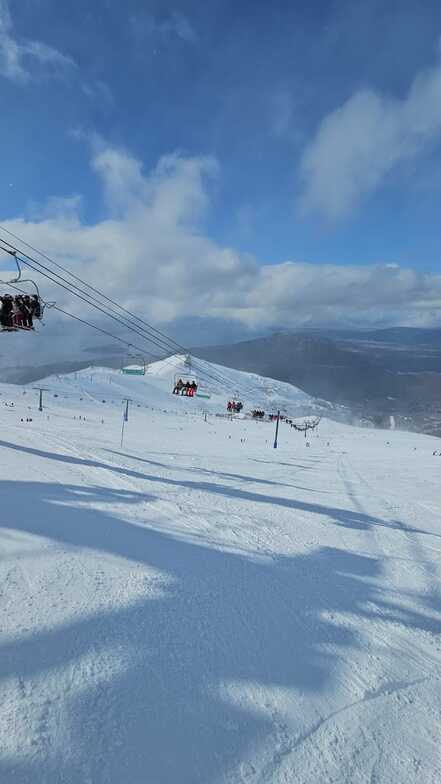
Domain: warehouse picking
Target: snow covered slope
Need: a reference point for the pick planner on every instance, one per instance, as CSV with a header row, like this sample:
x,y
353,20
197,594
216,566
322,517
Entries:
x,y
154,389
196,607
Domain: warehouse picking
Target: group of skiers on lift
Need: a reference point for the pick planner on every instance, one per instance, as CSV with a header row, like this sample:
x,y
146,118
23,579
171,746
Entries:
x,y
187,388
234,406
19,312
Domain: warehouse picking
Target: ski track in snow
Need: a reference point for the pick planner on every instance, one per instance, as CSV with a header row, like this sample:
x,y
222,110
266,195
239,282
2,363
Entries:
x,y
199,608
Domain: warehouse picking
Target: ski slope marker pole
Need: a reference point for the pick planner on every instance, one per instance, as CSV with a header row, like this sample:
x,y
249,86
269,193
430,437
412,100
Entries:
x,y
125,419
277,430
126,411
40,400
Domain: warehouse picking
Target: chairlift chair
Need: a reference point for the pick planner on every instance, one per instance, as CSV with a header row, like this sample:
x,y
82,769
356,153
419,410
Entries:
x,y
9,279
186,378
134,365
201,390
203,393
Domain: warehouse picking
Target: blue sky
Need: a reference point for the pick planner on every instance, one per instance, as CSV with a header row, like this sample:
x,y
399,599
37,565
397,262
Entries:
x,y
321,123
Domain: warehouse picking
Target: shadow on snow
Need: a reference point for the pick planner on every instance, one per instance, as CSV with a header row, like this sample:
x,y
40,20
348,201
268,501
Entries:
x,y
356,519
167,714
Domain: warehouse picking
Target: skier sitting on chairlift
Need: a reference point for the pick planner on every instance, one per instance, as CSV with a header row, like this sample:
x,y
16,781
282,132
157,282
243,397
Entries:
x,y
18,312
7,303
35,305
178,387
23,312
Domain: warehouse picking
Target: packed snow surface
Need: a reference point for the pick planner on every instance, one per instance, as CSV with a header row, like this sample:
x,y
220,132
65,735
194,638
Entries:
x,y
197,607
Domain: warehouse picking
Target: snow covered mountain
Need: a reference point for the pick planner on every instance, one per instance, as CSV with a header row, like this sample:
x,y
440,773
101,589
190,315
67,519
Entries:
x,y
181,603
217,384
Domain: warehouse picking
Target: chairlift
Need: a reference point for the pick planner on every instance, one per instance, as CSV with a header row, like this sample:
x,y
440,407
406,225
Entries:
x,y
181,382
203,392
18,311
134,365
234,406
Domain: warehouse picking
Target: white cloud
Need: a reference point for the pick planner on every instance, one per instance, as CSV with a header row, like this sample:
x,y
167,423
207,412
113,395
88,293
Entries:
x,y
19,59
152,255
359,144
56,207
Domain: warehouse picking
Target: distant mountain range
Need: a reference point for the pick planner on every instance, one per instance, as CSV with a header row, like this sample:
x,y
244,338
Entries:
x,y
373,372
377,373
24,374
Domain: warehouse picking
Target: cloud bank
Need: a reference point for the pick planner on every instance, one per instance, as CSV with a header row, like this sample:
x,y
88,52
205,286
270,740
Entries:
x,y
358,145
151,253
